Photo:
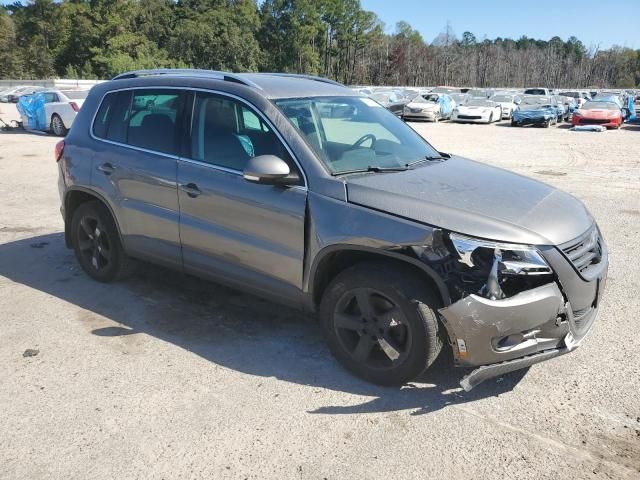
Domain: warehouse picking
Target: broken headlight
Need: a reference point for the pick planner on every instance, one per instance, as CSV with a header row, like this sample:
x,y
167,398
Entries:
x,y
498,270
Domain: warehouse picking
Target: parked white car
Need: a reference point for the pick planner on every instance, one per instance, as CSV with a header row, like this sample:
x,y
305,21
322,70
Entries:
x,y
12,94
508,103
477,110
61,108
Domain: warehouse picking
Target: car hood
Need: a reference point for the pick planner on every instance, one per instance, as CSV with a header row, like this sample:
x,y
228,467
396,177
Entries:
x,y
475,199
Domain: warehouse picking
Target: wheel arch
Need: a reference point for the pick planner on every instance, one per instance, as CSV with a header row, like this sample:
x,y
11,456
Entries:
x,y
75,197
333,259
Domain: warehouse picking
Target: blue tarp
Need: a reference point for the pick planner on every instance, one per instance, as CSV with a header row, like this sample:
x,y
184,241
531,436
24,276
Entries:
x,y
631,105
31,108
537,114
446,105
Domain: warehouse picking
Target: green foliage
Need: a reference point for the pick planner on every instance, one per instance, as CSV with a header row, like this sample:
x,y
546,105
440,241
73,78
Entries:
x,y
334,38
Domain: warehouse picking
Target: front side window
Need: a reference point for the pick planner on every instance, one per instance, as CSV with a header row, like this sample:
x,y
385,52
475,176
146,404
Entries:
x,y
227,133
350,133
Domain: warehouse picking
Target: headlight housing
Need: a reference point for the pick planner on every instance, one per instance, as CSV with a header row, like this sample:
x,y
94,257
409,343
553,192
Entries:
x,y
499,270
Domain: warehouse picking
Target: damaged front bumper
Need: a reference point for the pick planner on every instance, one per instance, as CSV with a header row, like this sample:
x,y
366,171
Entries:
x,y
505,335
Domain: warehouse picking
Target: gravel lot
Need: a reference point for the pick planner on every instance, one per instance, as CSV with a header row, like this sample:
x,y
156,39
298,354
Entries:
x,y
165,376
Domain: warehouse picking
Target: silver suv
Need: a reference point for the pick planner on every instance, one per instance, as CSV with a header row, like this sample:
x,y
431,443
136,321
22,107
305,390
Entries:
x,y
306,192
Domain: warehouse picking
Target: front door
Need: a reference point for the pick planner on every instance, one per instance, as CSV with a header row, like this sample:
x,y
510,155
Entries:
x,y
243,233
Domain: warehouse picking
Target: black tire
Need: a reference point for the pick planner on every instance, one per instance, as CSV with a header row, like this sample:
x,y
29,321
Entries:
x,y
57,126
513,123
491,118
402,322
96,243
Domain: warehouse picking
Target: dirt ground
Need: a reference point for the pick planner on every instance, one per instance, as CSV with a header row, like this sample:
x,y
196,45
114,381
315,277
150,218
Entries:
x,y
164,376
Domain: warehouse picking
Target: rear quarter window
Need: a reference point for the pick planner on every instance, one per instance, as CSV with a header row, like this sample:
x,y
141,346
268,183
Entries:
x,y
112,117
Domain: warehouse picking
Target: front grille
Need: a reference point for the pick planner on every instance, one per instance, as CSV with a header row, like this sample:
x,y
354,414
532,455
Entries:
x,y
593,121
470,117
585,250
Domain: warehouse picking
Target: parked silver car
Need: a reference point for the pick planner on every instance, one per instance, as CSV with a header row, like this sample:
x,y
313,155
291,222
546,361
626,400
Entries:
x,y
306,192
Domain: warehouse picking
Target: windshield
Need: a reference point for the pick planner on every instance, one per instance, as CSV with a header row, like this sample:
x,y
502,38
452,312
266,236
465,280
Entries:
x,y
570,94
600,106
502,98
477,93
479,102
351,133
536,100
459,97
535,91
426,98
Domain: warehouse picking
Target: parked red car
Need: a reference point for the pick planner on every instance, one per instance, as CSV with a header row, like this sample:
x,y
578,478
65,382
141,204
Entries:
x,y
607,114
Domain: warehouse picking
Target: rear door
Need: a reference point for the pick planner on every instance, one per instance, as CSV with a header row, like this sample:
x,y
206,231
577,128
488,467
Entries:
x,y
240,232
135,167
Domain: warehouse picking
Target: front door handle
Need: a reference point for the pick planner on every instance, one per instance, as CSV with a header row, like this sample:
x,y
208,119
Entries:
x,y
191,189
106,168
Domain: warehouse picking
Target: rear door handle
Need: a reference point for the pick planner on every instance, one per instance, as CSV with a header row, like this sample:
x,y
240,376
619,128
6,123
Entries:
x,y
106,168
191,189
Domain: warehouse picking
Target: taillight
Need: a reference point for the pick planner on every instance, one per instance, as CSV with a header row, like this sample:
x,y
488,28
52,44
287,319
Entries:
x,y
59,150
75,106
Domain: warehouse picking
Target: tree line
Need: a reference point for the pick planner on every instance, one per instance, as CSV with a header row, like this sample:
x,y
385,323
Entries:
x,y
332,38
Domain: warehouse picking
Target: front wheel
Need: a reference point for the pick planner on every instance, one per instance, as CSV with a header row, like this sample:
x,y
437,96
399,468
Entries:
x,y
380,322
57,126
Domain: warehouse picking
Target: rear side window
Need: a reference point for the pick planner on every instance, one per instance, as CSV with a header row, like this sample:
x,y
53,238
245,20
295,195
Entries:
x,y
153,119
141,118
112,117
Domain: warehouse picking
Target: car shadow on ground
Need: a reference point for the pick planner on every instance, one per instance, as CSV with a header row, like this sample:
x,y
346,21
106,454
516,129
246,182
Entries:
x,y
230,328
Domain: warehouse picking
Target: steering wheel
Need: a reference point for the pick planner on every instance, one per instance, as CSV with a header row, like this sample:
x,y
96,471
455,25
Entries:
x,y
364,138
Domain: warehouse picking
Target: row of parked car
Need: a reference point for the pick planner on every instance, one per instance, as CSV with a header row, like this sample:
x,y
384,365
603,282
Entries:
x,y
45,109
533,106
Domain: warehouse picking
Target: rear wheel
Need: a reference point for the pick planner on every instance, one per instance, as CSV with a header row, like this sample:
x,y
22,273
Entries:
x,y
380,322
57,126
96,243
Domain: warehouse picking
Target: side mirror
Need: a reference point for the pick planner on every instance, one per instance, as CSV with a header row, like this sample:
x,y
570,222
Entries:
x,y
268,170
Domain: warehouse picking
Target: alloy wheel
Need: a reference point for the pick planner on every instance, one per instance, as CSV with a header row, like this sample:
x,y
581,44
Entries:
x,y
94,244
372,329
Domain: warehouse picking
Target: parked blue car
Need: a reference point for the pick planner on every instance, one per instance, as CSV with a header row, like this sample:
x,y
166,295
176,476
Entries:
x,y
536,110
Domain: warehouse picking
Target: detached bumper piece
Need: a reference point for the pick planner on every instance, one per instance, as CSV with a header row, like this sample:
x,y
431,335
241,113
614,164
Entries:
x,y
486,372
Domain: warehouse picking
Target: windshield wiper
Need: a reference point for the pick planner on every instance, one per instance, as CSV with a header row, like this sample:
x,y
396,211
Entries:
x,y
428,158
371,168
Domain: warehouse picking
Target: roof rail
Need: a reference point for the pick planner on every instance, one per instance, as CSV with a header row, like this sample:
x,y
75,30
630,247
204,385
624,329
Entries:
x,y
300,75
188,72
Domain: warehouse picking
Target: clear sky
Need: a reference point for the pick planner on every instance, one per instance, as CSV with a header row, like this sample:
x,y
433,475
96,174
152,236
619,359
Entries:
x,y
595,22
